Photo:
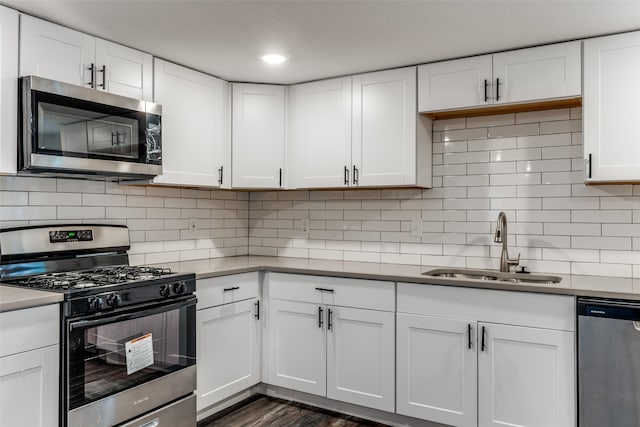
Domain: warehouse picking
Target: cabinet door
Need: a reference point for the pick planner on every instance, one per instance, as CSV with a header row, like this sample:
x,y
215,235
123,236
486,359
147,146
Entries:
x,y
194,132
228,338
455,84
543,72
526,377
258,136
55,52
437,369
8,90
384,128
610,109
320,148
360,357
297,346
126,72
29,388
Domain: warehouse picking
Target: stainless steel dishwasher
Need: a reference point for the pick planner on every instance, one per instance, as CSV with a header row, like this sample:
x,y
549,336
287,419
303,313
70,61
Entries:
x,y
608,363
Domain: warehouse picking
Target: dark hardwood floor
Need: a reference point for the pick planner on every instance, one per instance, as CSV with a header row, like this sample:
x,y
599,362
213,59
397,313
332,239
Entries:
x,y
268,411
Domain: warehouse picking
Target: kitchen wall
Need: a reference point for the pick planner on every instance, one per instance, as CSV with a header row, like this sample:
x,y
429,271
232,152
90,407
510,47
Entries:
x,y
526,164
158,218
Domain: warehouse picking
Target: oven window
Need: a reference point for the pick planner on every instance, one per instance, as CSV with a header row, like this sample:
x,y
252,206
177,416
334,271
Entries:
x,y
114,356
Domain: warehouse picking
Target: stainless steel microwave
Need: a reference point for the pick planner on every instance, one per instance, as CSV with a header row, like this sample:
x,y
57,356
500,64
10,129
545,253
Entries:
x,y
73,131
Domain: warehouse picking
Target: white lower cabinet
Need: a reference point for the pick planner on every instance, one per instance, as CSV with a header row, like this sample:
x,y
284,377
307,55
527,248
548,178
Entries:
x,y
228,337
437,369
474,357
525,377
29,386
29,366
318,346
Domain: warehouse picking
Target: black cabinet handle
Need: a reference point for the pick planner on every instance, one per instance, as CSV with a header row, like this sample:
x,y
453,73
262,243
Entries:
x,y
482,346
325,290
329,319
589,166
92,82
498,89
355,174
320,317
486,98
232,289
103,70
280,178
257,315
346,175
220,175
469,334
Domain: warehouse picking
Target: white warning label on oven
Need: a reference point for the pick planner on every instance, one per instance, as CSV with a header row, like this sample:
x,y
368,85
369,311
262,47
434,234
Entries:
x,y
139,353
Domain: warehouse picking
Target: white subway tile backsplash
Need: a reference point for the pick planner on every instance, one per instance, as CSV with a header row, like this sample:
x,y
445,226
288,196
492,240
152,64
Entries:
x,y
528,164
514,130
54,199
543,116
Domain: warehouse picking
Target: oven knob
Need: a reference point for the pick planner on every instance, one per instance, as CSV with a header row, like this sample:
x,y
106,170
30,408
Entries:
x,y
95,304
165,290
179,288
114,300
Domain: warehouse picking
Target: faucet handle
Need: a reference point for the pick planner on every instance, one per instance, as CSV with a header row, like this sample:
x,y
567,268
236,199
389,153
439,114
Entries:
x,y
513,261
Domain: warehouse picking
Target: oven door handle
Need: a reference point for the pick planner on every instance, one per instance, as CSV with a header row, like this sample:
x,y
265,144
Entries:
x,y
155,309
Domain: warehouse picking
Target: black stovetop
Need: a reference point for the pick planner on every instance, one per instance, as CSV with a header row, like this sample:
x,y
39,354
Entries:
x,y
93,278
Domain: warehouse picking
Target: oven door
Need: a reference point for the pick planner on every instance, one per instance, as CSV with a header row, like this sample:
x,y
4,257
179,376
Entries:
x,y
71,129
122,365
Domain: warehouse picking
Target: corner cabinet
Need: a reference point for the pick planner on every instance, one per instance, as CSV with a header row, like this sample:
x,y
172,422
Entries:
x,y
58,53
29,366
332,337
476,357
258,136
512,77
228,335
359,131
8,90
195,126
610,111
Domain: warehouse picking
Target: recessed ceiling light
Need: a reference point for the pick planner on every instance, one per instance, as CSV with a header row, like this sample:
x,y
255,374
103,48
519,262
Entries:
x,y
274,59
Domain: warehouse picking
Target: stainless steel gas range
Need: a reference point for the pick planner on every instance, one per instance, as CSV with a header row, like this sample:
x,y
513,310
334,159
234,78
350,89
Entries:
x,y
128,351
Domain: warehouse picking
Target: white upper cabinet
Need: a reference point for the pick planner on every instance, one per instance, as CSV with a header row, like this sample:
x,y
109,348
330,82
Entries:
x,y
320,114
454,84
519,76
537,73
610,112
124,71
195,126
59,53
8,90
359,131
384,128
258,136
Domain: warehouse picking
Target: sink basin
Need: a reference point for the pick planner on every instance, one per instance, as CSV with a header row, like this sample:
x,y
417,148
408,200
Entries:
x,y
466,273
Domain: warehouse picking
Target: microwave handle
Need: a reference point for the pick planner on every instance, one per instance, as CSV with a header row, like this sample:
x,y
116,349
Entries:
x,y
103,320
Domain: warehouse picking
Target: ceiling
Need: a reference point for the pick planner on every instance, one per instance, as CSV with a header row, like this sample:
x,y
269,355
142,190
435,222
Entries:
x,y
323,38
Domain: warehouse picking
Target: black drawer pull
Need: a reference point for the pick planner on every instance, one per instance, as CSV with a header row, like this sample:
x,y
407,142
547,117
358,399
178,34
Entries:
x,y
257,315
325,290
329,319
469,332
235,288
482,346
320,310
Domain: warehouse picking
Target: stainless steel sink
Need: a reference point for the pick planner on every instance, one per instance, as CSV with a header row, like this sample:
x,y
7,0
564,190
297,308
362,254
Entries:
x,y
466,273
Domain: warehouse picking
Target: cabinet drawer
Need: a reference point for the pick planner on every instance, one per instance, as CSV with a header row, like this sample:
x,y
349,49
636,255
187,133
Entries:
x,y
226,289
514,308
29,329
370,294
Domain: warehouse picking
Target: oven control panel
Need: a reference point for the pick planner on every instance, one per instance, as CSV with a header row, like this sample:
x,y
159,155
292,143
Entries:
x,y
66,236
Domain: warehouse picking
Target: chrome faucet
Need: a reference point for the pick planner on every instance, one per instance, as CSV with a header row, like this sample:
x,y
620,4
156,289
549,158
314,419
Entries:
x,y
501,237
